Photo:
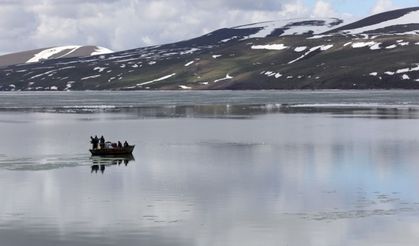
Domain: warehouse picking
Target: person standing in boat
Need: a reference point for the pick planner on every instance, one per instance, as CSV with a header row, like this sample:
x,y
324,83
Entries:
x,y
126,144
102,142
94,141
119,144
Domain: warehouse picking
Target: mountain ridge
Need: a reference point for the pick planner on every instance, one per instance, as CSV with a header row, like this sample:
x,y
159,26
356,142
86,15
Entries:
x,y
377,52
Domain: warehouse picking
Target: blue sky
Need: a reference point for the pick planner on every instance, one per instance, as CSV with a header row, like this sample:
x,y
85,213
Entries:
x,y
364,7
126,24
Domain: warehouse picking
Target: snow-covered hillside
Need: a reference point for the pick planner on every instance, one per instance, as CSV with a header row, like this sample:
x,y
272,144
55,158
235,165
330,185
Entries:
x,y
67,51
38,55
292,27
402,21
380,51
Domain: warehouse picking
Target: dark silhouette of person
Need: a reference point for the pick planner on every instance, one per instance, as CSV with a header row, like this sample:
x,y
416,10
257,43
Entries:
x,y
102,142
126,144
102,168
94,141
119,144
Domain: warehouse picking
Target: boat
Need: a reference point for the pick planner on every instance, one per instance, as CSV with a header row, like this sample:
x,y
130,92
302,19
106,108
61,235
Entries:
x,y
118,151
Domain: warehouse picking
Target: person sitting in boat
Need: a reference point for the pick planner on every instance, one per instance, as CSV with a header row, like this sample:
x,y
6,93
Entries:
x,y
126,144
108,145
119,144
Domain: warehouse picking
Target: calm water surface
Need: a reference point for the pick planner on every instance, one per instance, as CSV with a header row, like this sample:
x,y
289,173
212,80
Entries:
x,y
228,168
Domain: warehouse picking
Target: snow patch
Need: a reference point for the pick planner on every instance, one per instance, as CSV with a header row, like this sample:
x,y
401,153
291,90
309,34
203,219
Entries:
x,y
184,87
269,47
269,73
406,70
45,54
362,44
225,78
376,46
300,49
373,45
99,69
391,46
374,74
42,74
216,56
321,47
69,84
228,39
190,51
101,51
156,80
405,77
90,77
189,63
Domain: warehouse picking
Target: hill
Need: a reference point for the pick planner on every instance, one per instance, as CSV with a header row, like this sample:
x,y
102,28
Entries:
x,y
378,52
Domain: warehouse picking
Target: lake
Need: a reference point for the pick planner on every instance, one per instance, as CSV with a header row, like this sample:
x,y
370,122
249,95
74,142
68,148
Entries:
x,y
211,168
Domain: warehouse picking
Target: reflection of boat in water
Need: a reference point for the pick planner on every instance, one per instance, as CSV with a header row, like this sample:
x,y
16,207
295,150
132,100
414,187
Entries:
x,y
100,162
113,151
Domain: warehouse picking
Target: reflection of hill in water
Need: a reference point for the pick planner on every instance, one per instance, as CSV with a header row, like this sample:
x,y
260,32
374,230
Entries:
x,y
253,110
100,163
236,111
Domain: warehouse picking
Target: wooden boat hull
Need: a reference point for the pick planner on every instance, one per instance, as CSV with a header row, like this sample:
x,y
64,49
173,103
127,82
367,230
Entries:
x,y
113,152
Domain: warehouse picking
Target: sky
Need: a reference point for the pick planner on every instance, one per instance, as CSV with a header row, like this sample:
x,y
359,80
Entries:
x,y
126,24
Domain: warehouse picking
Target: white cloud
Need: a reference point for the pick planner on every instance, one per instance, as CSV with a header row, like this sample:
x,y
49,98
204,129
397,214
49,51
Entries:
x,y
125,24
323,9
294,9
382,5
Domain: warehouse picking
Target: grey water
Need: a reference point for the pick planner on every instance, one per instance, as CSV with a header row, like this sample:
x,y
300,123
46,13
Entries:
x,y
211,168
